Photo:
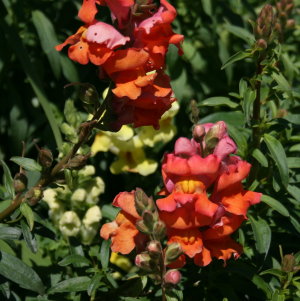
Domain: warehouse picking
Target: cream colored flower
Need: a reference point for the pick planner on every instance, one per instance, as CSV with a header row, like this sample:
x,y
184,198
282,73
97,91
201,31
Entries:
x,y
92,216
69,223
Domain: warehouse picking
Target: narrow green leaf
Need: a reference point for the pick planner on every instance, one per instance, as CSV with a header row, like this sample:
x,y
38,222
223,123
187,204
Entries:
x,y
28,214
33,77
76,284
17,271
260,157
5,247
241,33
94,284
218,101
262,234
207,7
10,233
295,223
27,163
109,212
105,253
74,259
235,118
261,284
295,148
8,180
274,272
293,162
5,289
48,40
278,154
29,237
276,205
236,57
294,191
283,84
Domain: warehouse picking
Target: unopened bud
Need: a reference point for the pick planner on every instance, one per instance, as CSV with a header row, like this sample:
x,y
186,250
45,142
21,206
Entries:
x,y
173,251
154,248
142,202
77,162
261,43
159,230
198,132
140,225
290,23
289,8
149,219
288,263
172,277
20,182
45,157
34,195
88,94
264,22
143,261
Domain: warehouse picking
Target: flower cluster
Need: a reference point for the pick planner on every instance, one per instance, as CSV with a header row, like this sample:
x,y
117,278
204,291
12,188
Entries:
x,y
131,53
202,203
128,144
75,211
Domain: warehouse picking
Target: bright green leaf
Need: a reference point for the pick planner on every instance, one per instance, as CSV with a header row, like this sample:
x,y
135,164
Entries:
x,y
28,214
293,162
236,57
278,154
105,253
27,163
8,180
218,101
260,157
74,259
274,272
76,284
276,205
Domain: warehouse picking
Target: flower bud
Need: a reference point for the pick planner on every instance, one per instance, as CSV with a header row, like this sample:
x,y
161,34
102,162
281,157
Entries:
x,y
92,216
77,162
154,248
69,223
20,182
143,261
172,277
142,202
140,225
78,195
198,132
290,23
159,230
288,263
88,94
173,251
87,171
261,43
149,219
45,157
34,195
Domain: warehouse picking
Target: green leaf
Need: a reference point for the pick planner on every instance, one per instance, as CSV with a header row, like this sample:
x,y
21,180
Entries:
x,y
294,191
295,148
5,247
261,284
283,84
8,180
274,272
29,237
74,259
241,33
76,284
27,163
94,284
293,162
262,234
233,118
109,212
236,57
28,214
105,253
207,7
276,205
248,98
17,271
278,154
10,233
260,157
295,223
218,101
48,40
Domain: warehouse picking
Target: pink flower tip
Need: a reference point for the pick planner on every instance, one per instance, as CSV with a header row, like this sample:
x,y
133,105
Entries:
x,y
172,277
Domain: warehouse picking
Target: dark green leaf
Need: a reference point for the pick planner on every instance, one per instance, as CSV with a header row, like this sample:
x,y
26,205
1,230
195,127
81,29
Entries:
x,y
76,284
74,259
5,289
233,118
236,57
27,163
276,205
260,157
218,101
17,271
274,272
8,180
94,284
10,233
283,84
295,223
105,253
293,162
48,40
29,237
262,234
241,33
294,191
278,154
264,286
28,214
